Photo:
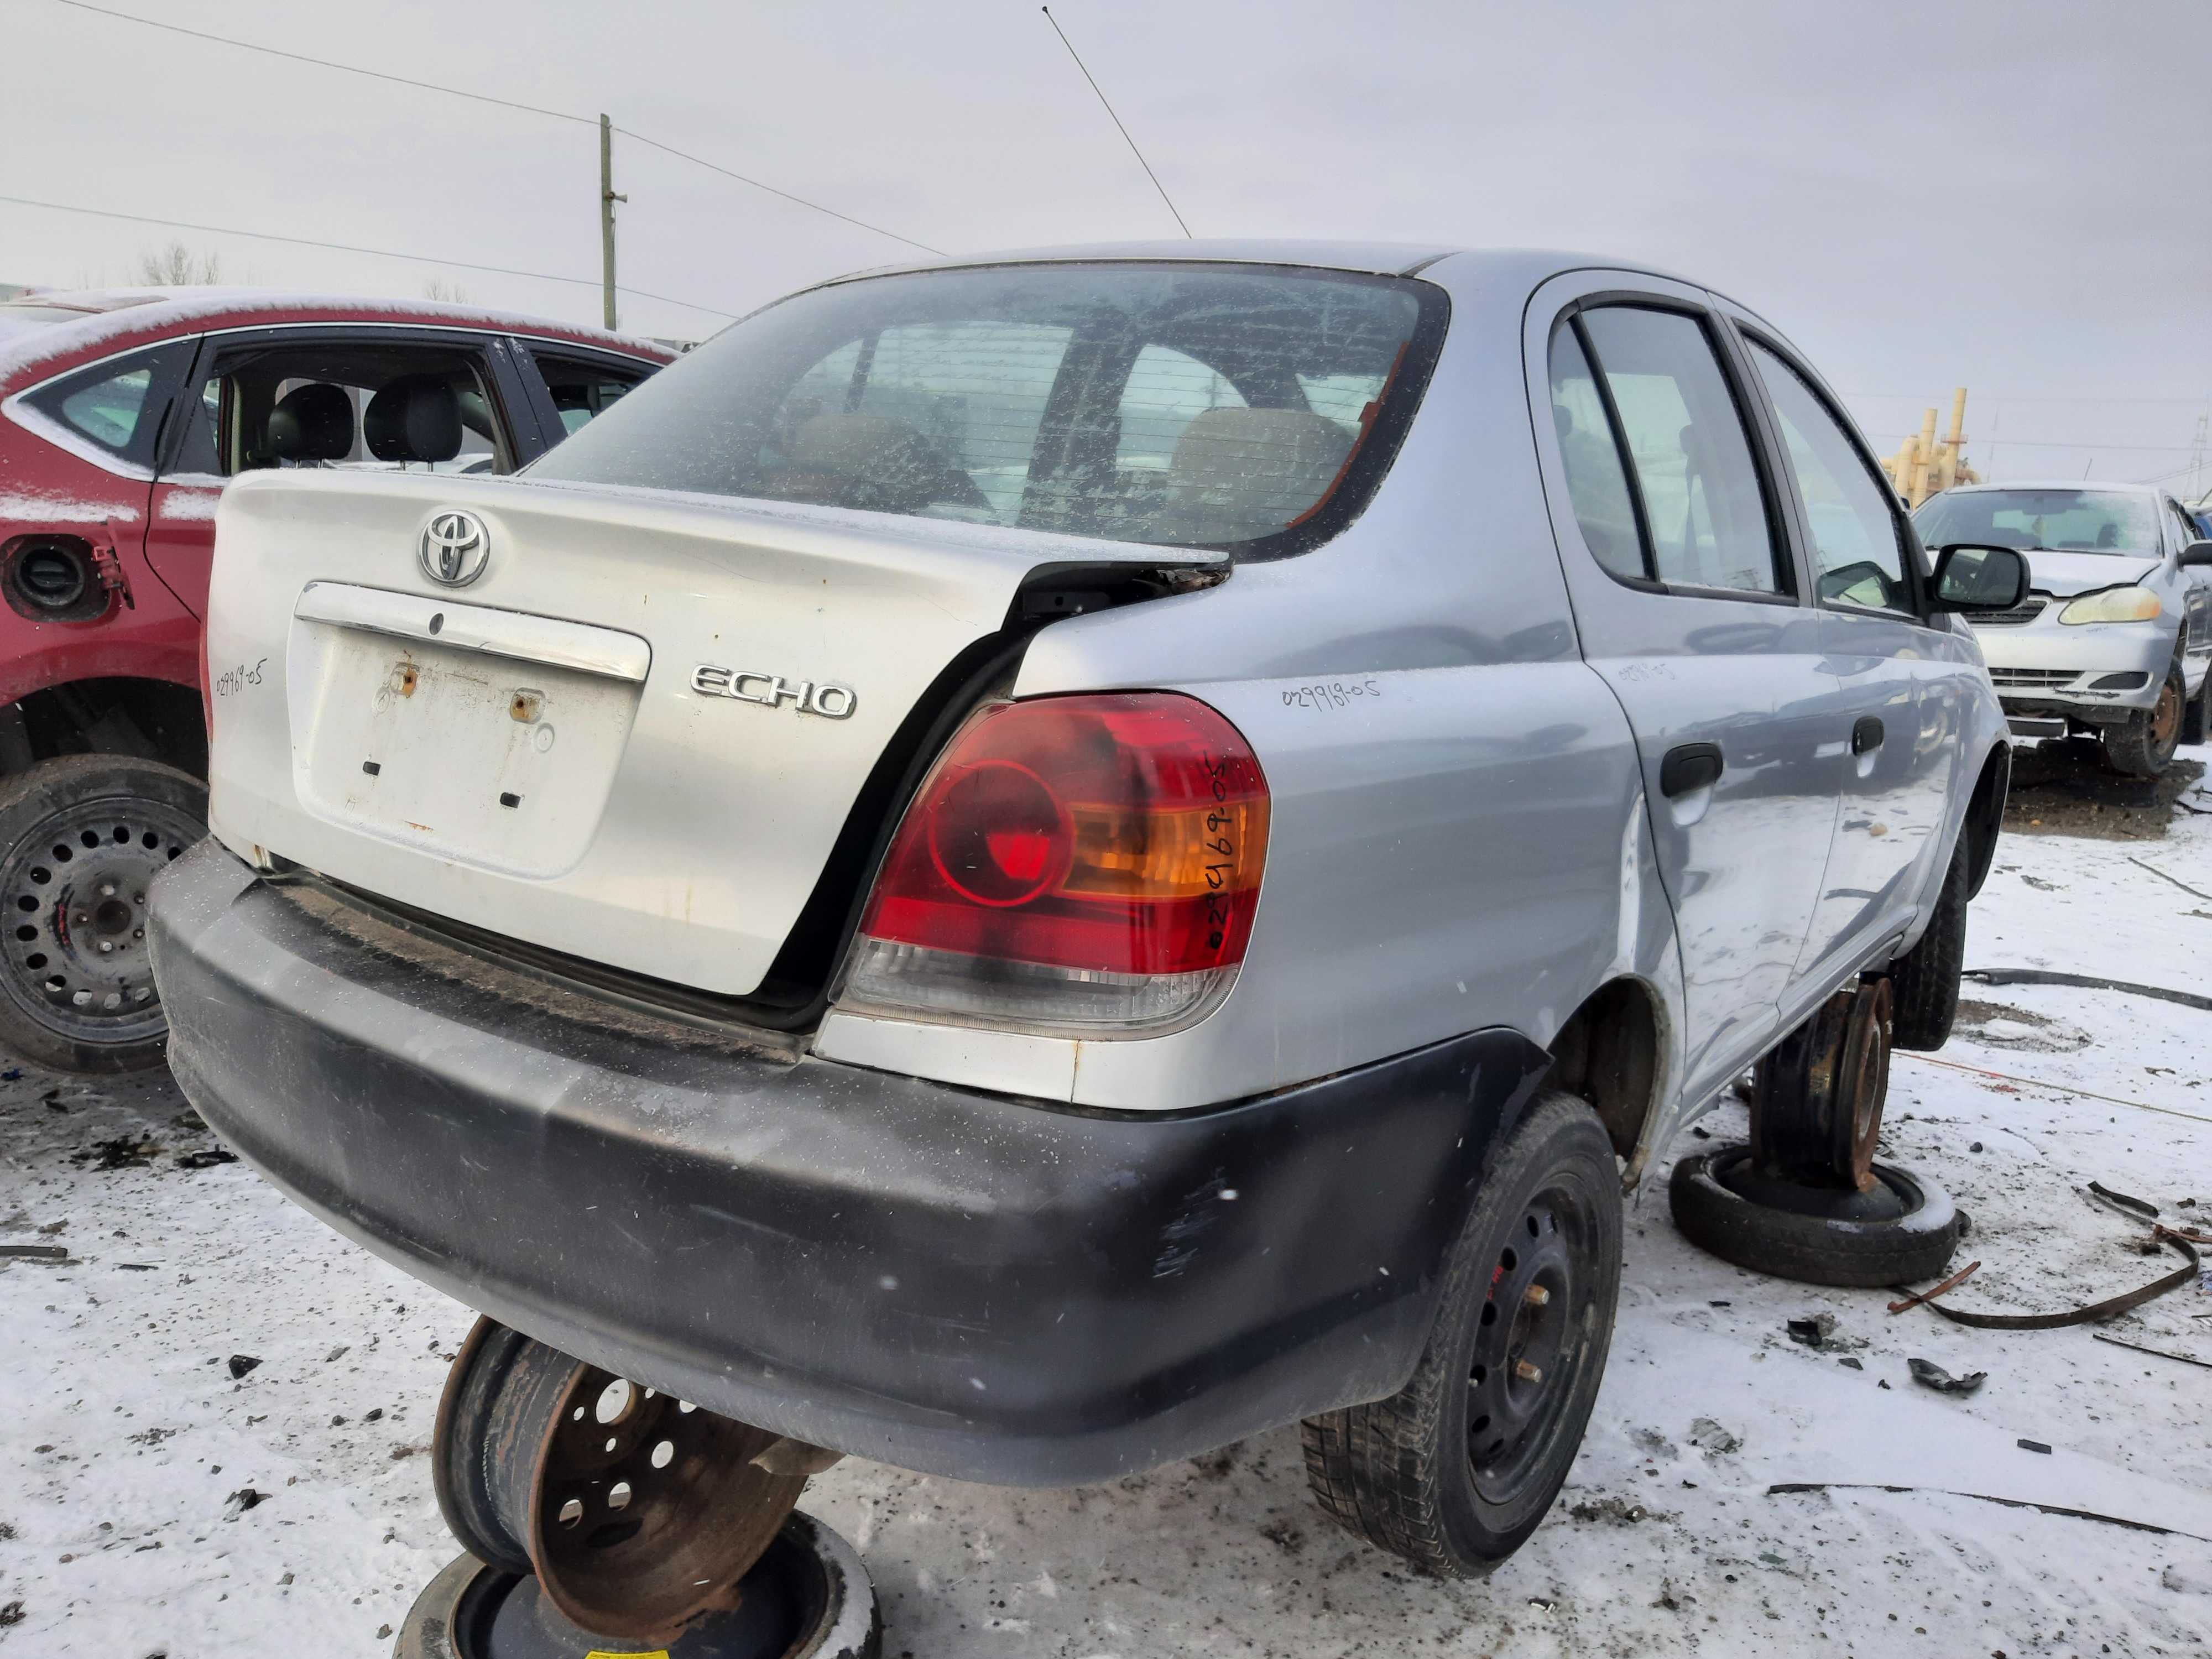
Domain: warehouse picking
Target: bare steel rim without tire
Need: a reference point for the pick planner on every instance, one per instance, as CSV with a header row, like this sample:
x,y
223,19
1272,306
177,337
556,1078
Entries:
x,y
2165,715
637,1513
75,887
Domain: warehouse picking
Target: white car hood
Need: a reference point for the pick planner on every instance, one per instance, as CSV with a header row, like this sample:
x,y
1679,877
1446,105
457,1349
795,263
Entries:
x,y
2064,575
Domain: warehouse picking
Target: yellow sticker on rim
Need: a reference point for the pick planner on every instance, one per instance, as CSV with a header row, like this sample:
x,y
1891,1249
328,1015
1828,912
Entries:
x,y
601,1653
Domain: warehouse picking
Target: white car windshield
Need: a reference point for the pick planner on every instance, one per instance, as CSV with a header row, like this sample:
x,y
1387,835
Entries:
x,y
2068,520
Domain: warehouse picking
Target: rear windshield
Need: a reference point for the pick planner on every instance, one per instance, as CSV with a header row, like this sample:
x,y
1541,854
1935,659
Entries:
x,y
2075,520
1249,408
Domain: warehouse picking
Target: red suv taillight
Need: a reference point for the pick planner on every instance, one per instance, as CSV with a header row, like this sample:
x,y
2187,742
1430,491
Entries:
x,y
1090,863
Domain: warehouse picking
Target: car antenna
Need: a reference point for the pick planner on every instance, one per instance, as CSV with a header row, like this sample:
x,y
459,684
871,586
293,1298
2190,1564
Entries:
x,y
1126,139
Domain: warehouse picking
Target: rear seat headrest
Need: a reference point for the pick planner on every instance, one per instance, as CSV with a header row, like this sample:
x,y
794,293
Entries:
x,y
312,423
417,417
1240,473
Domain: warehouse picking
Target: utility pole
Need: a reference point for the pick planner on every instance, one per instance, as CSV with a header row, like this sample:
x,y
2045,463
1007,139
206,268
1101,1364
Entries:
x,y
608,198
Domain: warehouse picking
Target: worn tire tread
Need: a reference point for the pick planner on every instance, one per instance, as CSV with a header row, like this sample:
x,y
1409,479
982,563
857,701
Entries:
x,y
1377,1469
1923,982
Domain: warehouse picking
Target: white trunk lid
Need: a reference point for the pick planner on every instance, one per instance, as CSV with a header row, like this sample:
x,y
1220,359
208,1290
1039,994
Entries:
x,y
538,753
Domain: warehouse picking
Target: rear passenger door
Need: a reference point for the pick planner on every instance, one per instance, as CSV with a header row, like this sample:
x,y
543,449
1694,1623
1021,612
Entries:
x,y
1907,679
1688,601
575,387
334,374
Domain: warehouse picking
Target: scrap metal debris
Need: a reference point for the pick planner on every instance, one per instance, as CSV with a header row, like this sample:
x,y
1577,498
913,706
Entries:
x,y
1789,1486
2162,1353
2125,1201
2109,1307
2085,981
1929,1375
1950,1284
34,1252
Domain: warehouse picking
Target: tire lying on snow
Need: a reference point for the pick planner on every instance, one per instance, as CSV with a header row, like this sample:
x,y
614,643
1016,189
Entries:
x,y
1815,1249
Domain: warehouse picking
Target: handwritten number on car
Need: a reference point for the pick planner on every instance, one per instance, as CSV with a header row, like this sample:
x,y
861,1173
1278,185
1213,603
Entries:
x,y
233,680
1331,693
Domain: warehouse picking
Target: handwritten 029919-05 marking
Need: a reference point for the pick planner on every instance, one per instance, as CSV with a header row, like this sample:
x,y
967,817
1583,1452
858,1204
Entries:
x,y
231,680
1331,693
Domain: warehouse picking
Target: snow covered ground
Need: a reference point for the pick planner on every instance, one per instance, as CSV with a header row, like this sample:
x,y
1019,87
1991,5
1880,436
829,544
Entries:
x,y
157,1504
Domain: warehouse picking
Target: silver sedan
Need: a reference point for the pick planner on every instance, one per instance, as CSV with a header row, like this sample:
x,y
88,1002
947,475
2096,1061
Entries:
x,y
2115,633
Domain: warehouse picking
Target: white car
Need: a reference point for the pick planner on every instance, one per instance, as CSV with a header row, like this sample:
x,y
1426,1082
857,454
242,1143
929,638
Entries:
x,y
2115,636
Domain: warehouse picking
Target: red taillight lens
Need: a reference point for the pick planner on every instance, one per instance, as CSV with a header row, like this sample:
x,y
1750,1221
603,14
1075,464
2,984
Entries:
x,y
1087,861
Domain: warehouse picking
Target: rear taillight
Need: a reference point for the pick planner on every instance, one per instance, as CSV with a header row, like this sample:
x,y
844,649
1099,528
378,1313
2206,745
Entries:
x,y
1083,863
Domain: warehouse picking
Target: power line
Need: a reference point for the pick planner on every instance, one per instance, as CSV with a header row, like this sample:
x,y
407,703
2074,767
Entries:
x,y
715,166
1126,139
2086,443
503,103
349,247
2004,397
324,63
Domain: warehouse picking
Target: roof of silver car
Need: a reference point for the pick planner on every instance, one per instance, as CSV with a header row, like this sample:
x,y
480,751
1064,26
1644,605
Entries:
x,y
1385,259
2112,487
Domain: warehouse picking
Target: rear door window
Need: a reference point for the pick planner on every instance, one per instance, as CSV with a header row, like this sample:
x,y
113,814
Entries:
x,y
1247,408
583,389
1703,511
1597,482
324,400
1858,555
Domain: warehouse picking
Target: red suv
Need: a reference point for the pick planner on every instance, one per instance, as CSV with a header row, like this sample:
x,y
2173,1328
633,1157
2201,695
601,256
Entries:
x,y
122,415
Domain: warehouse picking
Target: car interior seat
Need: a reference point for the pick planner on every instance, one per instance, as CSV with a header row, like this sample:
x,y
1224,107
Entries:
x,y
415,417
1238,474
310,424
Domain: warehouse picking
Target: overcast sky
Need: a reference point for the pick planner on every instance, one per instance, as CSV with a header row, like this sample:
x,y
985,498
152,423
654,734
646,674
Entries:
x,y
2016,197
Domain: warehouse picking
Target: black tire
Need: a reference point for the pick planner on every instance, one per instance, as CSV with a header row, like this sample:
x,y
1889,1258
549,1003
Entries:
x,y
1815,1250
2197,719
81,837
1923,982
1418,1473
808,1595
2142,745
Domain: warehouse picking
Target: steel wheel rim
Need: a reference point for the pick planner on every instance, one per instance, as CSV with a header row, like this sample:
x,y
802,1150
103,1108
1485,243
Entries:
x,y
74,890
2166,717
1514,1417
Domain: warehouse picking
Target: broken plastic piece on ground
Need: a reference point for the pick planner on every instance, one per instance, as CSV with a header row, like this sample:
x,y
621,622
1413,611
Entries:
x,y
2033,1446
1708,1436
1929,1375
242,1363
1813,1332
33,1252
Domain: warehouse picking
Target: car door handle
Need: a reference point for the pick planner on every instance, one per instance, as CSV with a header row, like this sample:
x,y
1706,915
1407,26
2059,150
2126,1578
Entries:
x,y
1690,766
1866,734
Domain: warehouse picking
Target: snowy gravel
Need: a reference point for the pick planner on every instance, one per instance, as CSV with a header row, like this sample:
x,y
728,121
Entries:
x,y
160,1505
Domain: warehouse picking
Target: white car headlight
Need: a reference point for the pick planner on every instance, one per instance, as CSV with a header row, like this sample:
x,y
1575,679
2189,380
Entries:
x,y
2115,604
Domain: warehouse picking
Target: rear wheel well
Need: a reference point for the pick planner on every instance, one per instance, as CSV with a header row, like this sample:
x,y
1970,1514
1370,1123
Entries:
x,y
1608,1053
150,720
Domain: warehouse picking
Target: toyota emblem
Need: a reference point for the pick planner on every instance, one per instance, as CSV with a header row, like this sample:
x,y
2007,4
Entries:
x,y
454,548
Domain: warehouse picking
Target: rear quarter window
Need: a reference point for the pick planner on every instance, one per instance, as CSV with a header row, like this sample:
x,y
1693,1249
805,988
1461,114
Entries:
x,y
117,405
